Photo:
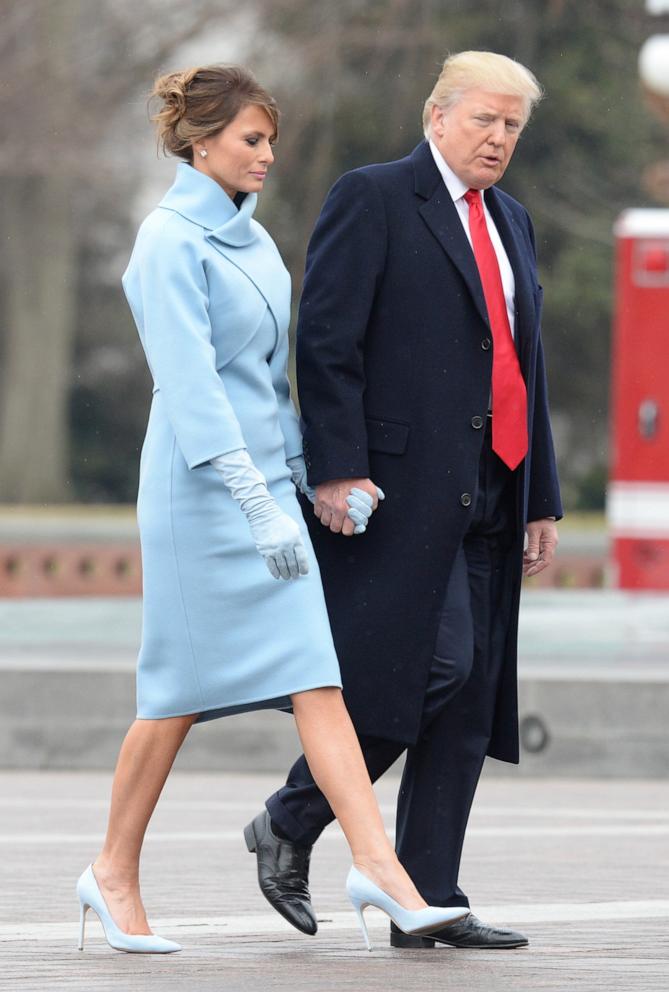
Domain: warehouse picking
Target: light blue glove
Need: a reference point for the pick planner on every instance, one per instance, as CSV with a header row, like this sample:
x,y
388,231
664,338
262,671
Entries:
x,y
360,505
298,471
276,535
277,538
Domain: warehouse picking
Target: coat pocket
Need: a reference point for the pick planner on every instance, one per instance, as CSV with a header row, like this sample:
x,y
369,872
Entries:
x,y
389,436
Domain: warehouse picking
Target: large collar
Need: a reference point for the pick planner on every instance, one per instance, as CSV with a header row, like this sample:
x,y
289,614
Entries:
x,y
202,201
440,214
427,178
454,184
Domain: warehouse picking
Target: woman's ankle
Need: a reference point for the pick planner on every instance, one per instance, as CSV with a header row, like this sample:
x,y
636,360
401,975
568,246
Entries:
x,y
376,860
109,869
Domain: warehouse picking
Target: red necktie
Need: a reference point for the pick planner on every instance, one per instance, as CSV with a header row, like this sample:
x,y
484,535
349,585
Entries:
x,y
509,396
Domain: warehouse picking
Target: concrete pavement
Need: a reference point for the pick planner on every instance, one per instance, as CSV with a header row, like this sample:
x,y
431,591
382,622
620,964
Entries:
x,y
580,866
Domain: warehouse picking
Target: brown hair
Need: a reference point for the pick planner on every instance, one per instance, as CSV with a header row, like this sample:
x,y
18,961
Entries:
x,y
200,102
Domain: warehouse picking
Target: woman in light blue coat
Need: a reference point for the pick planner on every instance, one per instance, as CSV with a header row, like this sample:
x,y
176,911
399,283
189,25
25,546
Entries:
x,y
218,515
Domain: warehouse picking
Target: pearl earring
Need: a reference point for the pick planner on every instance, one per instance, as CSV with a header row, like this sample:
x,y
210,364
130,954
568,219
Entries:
x,y
203,152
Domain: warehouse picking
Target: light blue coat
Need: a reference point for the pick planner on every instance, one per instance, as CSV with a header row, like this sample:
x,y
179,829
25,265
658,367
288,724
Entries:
x,y
211,300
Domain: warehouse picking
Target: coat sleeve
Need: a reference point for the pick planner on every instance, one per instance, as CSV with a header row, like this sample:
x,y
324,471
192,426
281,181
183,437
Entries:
x,y
345,263
166,286
288,418
544,492
544,488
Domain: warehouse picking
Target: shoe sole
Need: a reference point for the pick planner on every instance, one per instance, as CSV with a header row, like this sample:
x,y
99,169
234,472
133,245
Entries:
x,y
412,942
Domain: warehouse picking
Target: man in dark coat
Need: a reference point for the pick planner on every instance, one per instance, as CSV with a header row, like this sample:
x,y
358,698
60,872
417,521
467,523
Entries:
x,y
421,371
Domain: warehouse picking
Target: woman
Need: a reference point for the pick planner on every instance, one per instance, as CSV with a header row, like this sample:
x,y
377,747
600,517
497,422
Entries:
x,y
217,509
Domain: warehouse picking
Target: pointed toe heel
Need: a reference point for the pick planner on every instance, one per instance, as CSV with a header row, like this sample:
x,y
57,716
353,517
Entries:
x,y
363,893
90,897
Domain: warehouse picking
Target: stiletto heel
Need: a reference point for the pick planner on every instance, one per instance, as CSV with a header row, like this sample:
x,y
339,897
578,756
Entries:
x,y
363,892
359,912
90,897
83,909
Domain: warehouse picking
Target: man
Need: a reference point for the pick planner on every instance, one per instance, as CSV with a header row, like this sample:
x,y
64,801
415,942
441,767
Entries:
x,y
420,370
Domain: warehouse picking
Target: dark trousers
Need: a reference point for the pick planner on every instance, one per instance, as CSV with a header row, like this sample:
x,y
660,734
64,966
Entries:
x,y
442,768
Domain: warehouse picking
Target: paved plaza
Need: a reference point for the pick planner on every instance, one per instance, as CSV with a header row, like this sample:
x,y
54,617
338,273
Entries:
x,y
581,866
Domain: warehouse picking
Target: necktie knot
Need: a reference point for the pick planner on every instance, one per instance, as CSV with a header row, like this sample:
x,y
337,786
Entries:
x,y
473,197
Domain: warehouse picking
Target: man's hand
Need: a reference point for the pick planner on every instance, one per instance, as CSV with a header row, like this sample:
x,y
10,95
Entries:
x,y
542,540
331,506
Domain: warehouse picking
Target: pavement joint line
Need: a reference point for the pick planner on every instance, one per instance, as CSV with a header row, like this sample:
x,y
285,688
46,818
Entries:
x,y
217,836
250,924
563,812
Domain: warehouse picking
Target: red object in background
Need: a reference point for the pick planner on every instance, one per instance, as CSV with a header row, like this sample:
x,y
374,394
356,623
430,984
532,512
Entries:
x,y
638,494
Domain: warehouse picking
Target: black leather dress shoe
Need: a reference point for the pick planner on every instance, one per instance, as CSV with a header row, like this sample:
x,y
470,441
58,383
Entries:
x,y
467,932
283,873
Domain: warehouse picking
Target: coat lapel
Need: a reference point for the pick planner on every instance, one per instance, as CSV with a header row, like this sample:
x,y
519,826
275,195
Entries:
x,y
244,243
268,274
441,216
512,240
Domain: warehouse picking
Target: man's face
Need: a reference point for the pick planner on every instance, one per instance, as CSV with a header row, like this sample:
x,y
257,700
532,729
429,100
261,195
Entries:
x,y
478,135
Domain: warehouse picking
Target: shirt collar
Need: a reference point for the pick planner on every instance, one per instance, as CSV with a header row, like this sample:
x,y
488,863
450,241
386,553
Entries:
x,y
454,185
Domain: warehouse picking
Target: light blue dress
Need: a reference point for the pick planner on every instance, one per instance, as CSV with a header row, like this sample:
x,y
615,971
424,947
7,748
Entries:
x,y
211,300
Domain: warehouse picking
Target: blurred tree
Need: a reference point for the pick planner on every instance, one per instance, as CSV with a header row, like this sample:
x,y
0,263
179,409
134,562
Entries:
x,y
352,79
68,67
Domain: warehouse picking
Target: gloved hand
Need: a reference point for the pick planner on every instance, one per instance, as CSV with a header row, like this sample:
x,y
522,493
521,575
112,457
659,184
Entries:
x,y
298,471
276,535
360,507
333,509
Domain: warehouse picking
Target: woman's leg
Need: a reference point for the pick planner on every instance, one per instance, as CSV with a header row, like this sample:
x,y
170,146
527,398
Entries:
x,y
144,762
335,760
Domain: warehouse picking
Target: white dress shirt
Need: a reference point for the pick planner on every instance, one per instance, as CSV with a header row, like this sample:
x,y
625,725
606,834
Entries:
x,y
457,190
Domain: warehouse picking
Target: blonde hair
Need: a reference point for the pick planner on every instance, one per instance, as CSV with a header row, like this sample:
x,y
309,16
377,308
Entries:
x,y
487,70
199,102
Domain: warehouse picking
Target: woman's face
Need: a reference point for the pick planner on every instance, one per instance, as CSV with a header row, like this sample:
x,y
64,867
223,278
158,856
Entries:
x,y
240,155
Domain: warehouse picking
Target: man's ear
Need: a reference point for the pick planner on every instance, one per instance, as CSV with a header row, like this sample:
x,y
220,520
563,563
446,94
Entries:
x,y
437,115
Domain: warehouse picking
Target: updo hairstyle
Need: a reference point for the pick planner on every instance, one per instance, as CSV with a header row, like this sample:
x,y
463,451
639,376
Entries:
x,y
198,103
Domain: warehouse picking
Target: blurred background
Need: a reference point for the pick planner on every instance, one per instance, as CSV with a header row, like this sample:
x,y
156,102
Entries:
x,y
79,170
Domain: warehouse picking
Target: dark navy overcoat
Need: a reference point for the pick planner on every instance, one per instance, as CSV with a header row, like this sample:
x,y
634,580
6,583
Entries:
x,y
394,362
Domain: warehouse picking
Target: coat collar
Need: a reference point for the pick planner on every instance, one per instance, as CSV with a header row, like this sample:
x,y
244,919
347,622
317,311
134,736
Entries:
x,y
512,239
201,200
441,216
233,233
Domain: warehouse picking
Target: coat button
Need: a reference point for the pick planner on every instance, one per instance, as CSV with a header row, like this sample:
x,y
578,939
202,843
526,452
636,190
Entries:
x,y
486,344
466,499
477,423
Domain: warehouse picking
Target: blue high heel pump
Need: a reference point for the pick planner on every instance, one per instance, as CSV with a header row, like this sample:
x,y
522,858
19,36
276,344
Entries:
x,y
363,892
90,897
